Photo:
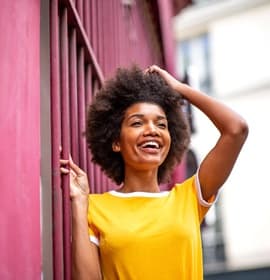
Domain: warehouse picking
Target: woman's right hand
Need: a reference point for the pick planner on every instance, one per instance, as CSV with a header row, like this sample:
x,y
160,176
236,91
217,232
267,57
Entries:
x,y
79,186
85,257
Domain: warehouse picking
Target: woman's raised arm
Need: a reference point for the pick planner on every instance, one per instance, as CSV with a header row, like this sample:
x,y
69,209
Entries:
x,y
218,163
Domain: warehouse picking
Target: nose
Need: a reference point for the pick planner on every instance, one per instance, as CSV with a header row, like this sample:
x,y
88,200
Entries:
x,y
150,130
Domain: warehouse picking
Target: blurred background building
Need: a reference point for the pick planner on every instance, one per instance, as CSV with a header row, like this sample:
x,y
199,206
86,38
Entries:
x,y
223,48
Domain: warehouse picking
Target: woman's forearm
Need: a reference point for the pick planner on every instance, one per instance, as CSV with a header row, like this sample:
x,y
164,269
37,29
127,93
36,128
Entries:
x,y
233,133
85,257
224,118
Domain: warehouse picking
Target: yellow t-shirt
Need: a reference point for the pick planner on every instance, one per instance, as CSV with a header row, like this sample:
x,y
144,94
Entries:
x,y
149,236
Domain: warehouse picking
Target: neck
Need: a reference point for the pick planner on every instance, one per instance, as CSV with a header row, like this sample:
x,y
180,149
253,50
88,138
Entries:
x,y
140,181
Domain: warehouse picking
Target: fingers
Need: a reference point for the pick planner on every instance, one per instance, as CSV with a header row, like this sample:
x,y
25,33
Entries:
x,y
75,168
64,170
153,69
69,167
64,161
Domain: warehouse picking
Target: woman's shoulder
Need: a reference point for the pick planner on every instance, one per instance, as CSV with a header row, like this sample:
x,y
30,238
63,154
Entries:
x,y
97,196
188,182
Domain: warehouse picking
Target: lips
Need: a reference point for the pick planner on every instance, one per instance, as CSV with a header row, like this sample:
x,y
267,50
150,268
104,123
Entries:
x,y
151,144
150,147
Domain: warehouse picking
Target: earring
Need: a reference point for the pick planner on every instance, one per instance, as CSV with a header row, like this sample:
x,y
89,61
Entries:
x,y
115,148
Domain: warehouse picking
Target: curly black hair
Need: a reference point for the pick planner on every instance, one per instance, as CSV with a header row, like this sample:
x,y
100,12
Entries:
x,y
106,113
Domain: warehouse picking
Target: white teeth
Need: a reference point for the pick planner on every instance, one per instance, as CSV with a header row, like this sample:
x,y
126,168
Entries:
x,y
151,144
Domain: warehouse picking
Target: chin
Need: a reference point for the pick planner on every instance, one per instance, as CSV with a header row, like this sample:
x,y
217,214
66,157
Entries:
x,y
151,163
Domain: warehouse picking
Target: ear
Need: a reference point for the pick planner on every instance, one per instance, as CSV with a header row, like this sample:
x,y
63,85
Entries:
x,y
116,146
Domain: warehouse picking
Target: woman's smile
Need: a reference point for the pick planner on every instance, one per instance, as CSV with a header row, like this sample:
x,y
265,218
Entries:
x,y
150,146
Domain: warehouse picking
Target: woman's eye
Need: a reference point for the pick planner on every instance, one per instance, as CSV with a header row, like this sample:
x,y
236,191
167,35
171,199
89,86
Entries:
x,y
162,125
137,123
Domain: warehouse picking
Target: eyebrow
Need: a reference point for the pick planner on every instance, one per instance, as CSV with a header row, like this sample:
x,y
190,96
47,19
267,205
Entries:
x,y
159,117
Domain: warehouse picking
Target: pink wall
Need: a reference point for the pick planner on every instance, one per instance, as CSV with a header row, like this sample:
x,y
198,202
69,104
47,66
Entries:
x,y
20,245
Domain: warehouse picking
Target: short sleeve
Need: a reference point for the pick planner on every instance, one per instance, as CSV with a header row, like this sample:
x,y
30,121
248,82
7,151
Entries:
x,y
92,235
92,230
203,204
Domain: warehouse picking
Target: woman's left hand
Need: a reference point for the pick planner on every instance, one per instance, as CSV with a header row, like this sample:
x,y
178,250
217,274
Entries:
x,y
168,78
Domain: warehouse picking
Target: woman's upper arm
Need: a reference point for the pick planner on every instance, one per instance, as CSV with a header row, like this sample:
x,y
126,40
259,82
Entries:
x,y
219,162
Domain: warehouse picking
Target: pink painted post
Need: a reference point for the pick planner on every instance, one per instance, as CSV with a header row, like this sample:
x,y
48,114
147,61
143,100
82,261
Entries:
x,y
88,100
73,96
81,109
100,34
165,14
65,115
20,232
58,265
97,181
86,17
79,5
93,38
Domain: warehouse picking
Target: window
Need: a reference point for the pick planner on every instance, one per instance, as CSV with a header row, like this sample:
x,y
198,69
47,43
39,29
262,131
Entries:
x,y
193,59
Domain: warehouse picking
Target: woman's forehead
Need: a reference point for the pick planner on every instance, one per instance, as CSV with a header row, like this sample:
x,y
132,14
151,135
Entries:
x,y
145,108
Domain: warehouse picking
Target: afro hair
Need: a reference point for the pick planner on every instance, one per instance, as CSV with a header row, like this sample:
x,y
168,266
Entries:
x,y
106,113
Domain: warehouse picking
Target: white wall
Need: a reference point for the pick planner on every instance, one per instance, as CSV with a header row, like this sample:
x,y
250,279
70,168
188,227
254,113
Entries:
x,y
246,203
240,53
245,196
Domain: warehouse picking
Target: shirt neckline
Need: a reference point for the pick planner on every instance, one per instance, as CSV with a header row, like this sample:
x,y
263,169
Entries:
x,y
139,194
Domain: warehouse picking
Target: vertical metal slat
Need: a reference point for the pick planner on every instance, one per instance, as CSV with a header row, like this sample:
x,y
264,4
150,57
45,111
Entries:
x,y
88,94
96,177
79,6
81,109
64,63
86,15
73,96
56,134
94,30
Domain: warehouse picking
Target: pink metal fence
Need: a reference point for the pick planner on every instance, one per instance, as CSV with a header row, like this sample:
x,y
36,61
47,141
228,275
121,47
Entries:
x,y
89,40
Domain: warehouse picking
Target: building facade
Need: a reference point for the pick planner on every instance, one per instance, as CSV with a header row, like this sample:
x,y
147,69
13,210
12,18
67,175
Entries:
x,y
223,46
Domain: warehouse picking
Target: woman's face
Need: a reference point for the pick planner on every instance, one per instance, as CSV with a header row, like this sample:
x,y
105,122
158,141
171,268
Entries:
x,y
144,137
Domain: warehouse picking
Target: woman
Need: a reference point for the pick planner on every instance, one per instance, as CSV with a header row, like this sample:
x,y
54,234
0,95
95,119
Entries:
x,y
137,134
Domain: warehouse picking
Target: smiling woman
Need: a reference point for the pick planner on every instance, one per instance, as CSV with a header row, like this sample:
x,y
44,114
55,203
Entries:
x,y
137,133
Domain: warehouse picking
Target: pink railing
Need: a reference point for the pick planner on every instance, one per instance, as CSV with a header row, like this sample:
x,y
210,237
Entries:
x,y
89,40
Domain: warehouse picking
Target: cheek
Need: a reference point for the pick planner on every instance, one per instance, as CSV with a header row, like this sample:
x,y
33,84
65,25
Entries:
x,y
168,149
168,143
169,140
126,142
